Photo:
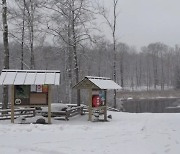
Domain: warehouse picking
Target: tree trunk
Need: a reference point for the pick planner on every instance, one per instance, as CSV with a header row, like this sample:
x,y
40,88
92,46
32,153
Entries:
x,y
114,68
137,74
162,72
114,47
32,36
155,70
147,72
76,68
22,39
6,50
122,71
69,67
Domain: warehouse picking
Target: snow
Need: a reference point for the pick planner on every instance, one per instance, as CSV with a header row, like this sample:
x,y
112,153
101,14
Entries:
x,y
20,78
105,84
29,77
40,78
9,79
55,107
49,78
97,77
126,133
57,79
2,76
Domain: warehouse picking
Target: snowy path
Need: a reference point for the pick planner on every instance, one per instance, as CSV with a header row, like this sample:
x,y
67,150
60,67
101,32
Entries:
x,y
125,134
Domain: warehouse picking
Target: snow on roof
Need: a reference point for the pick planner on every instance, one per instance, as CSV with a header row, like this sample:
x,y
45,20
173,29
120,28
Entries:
x,y
105,84
30,77
97,82
96,77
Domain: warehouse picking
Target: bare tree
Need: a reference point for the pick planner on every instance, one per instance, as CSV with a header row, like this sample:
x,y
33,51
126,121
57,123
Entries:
x,y
26,19
69,27
17,14
163,49
112,25
6,49
153,48
146,64
122,49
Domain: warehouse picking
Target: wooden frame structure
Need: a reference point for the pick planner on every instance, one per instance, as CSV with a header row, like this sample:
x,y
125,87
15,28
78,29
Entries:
x,y
15,78
92,83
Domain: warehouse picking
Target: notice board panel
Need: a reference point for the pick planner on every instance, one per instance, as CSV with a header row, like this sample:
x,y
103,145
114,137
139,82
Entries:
x,y
21,95
38,99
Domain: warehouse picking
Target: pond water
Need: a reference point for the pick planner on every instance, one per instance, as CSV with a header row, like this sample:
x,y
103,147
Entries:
x,y
156,105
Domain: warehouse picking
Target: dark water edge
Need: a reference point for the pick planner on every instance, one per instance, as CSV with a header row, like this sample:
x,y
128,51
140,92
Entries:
x,y
156,105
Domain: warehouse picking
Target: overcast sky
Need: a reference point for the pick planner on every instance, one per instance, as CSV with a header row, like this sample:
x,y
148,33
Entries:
x,y
141,22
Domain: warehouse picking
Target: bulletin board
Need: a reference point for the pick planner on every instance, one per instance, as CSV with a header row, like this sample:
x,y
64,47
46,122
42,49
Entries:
x,y
31,95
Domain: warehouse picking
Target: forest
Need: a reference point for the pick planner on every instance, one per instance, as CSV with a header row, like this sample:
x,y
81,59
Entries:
x,y
65,35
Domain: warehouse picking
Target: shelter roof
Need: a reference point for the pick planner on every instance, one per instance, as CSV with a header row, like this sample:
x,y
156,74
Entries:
x,y
29,77
97,83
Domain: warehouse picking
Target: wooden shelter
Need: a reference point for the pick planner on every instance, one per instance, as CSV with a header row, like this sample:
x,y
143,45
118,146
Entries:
x,y
30,88
97,87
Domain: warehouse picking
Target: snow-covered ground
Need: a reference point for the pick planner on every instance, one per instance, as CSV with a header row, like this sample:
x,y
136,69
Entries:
x,y
126,133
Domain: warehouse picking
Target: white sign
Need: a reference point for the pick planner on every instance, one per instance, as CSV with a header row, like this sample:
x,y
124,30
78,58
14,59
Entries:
x,y
39,88
18,101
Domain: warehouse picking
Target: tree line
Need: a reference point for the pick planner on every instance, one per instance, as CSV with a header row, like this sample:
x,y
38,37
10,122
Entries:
x,y
64,35
148,69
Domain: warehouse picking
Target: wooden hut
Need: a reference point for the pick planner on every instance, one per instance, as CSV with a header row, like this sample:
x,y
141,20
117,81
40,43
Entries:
x,y
97,87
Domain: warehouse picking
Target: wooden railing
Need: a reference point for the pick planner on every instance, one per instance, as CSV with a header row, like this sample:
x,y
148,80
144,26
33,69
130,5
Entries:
x,y
73,111
26,112
9,105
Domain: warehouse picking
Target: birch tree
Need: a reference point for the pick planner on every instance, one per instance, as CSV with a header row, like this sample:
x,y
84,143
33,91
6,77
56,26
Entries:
x,y
6,49
23,33
68,24
112,25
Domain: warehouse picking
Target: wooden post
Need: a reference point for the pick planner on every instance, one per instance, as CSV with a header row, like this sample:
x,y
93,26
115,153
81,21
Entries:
x,y
105,108
90,105
12,104
49,103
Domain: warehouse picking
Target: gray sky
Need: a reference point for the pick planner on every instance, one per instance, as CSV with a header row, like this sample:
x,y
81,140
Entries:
x,y
141,22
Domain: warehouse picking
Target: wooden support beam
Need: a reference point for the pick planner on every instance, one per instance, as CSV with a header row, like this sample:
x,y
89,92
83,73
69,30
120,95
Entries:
x,y
90,105
49,103
12,104
105,109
